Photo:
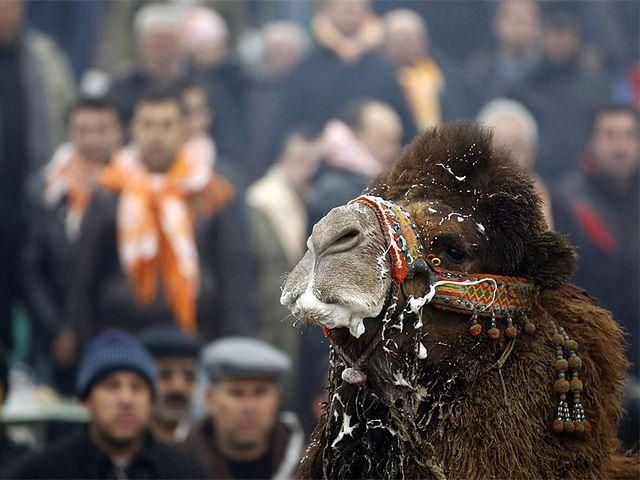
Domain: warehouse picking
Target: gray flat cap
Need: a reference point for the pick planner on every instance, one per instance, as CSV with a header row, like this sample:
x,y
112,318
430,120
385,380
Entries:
x,y
244,357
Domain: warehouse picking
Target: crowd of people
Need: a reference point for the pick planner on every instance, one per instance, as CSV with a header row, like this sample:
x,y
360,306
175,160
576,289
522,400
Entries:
x,y
160,176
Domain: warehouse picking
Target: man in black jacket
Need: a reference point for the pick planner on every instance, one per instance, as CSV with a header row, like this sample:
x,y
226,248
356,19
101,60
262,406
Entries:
x,y
56,199
116,382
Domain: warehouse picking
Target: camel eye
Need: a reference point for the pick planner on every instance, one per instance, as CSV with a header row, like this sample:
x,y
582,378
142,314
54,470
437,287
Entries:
x,y
457,254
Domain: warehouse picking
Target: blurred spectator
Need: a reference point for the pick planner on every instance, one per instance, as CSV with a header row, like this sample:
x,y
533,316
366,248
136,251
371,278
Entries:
x,y
205,43
37,87
515,128
163,217
344,66
456,28
598,206
176,356
279,229
116,382
200,118
73,25
356,150
561,96
517,30
431,87
157,29
244,437
57,198
283,47
9,451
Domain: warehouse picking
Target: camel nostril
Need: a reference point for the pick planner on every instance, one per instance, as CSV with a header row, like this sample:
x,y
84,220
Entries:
x,y
343,241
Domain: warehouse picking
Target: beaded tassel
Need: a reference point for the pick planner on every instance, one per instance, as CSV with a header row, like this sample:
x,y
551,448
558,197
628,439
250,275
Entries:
x,y
493,332
529,326
510,331
566,421
475,329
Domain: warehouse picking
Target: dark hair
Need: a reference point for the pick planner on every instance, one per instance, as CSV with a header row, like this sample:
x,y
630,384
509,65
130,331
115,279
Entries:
x,y
189,84
101,103
611,109
310,131
162,94
4,374
560,19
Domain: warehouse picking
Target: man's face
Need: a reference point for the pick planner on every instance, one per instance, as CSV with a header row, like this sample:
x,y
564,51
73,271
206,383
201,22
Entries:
x,y
615,146
517,25
199,115
95,133
561,44
120,406
300,159
282,51
244,411
510,133
347,16
11,17
159,50
381,133
176,376
158,130
405,41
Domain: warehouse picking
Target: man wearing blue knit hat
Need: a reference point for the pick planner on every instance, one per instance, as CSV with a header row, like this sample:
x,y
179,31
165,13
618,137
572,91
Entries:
x,y
116,382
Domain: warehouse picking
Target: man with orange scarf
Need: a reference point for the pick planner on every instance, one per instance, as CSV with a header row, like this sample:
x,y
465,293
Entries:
x,y
162,241
431,85
57,198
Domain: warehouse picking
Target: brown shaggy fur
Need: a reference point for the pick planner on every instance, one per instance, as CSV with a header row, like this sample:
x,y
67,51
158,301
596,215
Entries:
x,y
456,415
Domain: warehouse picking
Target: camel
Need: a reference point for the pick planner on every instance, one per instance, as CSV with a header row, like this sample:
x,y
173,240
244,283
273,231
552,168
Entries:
x,y
459,349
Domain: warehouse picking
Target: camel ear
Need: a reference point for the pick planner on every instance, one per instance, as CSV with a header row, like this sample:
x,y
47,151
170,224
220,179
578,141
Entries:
x,y
550,260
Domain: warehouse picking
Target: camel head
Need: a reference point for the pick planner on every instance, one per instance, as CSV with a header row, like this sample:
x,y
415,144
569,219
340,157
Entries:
x,y
470,207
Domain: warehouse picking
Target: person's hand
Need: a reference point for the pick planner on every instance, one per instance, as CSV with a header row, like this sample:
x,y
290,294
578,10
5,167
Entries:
x,y
63,347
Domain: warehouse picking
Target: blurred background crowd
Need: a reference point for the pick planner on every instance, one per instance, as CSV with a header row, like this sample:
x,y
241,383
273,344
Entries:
x,y
162,165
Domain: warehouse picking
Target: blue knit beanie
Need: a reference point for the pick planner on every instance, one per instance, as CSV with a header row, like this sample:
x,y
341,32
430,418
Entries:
x,y
110,351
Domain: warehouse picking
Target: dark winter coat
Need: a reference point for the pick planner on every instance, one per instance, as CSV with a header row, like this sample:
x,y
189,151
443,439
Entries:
x,y
10,452
46,261
102,297
226,89
331,188
604,224
285,449
319,88
79,457
562,98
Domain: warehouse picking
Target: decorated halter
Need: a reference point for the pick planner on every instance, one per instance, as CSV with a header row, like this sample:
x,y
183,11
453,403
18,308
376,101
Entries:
x,y
478,295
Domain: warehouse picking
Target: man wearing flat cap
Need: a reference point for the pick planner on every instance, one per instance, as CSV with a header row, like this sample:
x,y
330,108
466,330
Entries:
x,y
116,382
243,436
176,355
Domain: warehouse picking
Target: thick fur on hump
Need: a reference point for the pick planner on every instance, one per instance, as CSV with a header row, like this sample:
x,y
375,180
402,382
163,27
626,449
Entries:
x,y
457,164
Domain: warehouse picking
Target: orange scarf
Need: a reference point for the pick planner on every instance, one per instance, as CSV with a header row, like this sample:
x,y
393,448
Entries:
x,y
155,222
422,84
69,174
348,49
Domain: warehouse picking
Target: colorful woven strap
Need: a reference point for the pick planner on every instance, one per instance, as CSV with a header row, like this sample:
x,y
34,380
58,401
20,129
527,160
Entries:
x,y
483,294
